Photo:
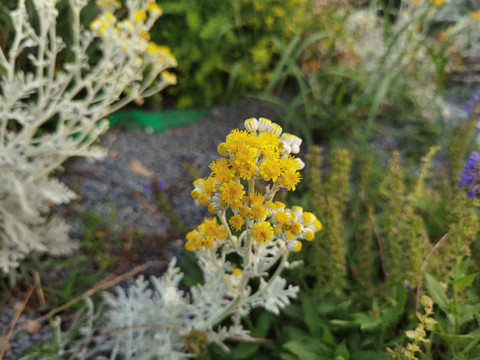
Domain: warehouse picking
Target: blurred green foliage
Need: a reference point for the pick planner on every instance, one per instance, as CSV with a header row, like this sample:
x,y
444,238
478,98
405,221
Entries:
x,y
226,48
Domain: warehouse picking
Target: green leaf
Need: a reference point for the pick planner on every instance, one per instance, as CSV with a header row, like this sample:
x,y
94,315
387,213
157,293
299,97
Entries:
x,y
327,337
379,98
465,281
396,311
368,322
48,349
243,350
285,356
215,27
436,292
310,316
452,339
294,312
262,325
467,312
309,349
341,352
473,343
460,269
292,332
345,324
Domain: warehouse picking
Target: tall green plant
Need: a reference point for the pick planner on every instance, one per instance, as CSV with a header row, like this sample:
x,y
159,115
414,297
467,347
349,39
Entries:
x,y
330,200
401,229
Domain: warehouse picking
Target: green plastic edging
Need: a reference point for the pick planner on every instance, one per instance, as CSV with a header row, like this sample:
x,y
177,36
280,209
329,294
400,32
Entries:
x,y
156,121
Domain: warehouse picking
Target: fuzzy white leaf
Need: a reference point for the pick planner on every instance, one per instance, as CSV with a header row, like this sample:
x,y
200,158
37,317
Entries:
x,y
276,295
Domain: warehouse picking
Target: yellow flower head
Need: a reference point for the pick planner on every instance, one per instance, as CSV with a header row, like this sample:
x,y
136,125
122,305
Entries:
x,y
280,205
231,192
222,170
289,179
270,170
308,217
169,77
258,211
245,162
244,211
270,205
211,208
262,232
236,140
309,235
296,228
256,198
207,186
140,16
317,224
194,240
237,272
236,221
281,217
154,9
222,149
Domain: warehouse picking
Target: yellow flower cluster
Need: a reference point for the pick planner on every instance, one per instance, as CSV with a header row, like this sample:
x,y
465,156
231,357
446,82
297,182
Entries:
x,y
259,153
205,235
132,32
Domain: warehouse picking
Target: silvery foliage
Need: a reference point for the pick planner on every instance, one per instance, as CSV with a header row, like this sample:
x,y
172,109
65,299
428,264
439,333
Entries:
x,y
152,319
72,98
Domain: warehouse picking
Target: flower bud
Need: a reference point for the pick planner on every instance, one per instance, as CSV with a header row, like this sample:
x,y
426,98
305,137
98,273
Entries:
x,y
300,163
296,142
264,124
251,124
294,246
275,129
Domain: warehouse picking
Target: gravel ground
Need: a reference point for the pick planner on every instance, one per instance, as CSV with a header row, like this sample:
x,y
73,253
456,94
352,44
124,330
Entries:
x,y
112,188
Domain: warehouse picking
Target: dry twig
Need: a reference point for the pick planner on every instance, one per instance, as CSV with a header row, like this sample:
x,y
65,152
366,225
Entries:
x,y
20,309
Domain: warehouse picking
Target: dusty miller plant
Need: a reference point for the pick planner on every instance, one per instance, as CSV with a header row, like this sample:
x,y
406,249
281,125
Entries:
x,y
53,105
241,253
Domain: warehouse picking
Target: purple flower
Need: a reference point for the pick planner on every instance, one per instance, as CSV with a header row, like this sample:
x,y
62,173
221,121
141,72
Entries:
x,y
472,161
160,184
469,105
467,178
408,285
471,193
470,176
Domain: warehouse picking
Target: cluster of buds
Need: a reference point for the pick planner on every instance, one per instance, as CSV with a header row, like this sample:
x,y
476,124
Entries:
x,y
258,158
